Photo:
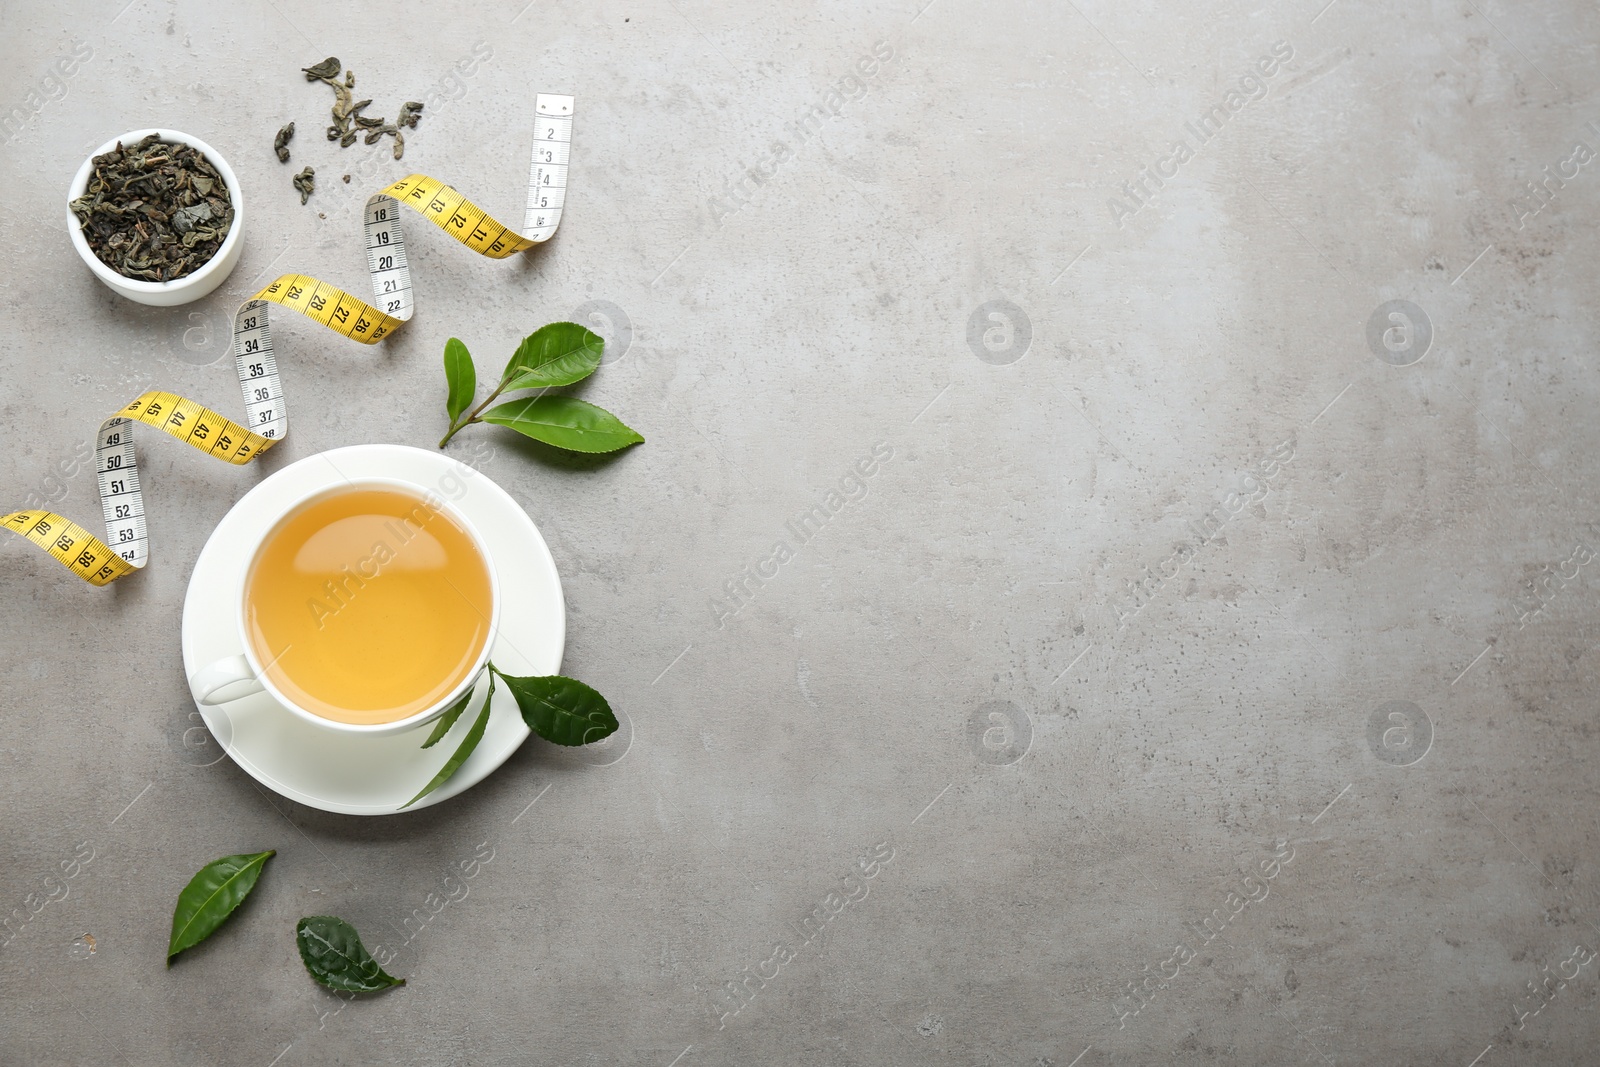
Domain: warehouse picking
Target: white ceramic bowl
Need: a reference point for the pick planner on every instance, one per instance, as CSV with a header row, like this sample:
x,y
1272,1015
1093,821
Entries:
x,y
182,290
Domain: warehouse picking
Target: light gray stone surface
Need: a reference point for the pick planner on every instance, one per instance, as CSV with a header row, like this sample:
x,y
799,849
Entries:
x,y
957,666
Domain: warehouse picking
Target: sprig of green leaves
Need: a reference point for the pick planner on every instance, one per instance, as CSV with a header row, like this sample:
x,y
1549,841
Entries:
x,y
561,710
561,353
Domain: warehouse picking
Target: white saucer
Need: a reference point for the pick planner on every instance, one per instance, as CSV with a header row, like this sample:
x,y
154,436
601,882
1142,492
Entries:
x,y
373,775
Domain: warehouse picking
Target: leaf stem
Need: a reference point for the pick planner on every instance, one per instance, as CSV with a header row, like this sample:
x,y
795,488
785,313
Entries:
x,y
472,416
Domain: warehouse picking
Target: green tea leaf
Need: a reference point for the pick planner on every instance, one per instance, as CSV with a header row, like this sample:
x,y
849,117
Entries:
x,y
468,743
211,896
334,955
565,422
562,710
448,719
462,377
558,354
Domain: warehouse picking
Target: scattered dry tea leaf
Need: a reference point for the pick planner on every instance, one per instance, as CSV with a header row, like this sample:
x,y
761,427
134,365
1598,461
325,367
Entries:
x,y
280,143
348,122
328,68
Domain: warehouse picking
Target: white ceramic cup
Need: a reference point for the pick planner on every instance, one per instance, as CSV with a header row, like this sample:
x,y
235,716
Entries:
x,y
181,290
238,676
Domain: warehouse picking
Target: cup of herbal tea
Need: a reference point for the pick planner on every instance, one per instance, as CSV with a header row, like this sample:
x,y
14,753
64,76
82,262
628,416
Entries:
x,y
367,608
157,216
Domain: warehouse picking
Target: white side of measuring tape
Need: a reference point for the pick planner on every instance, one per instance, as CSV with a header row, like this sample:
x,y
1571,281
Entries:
x,y
266,409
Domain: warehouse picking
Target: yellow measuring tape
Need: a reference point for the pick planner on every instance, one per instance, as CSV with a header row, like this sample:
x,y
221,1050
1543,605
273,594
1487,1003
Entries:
x,y
266,416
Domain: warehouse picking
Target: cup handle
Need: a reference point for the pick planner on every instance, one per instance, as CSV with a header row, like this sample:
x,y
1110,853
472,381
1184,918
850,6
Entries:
x,y
229,673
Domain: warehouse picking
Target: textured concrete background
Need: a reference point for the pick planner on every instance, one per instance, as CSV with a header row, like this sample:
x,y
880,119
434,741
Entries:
x,y
1118,749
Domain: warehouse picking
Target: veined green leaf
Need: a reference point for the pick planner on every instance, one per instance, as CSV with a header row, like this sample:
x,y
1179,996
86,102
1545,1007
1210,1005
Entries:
x,y
558,354
461,376
562,710
211,896
334,955
468,743
565,422
448,719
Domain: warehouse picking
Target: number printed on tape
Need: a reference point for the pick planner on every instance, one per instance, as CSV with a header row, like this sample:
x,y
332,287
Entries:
x,y
266,412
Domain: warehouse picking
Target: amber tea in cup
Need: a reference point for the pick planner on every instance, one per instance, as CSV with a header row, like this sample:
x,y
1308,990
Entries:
x,y
367,604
